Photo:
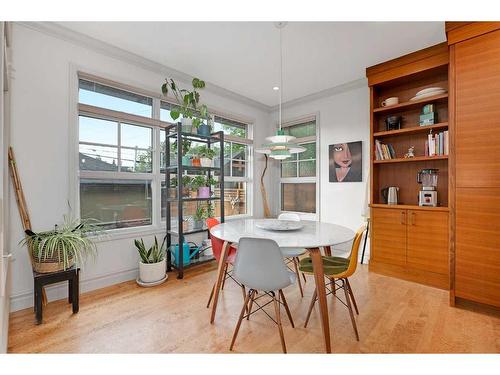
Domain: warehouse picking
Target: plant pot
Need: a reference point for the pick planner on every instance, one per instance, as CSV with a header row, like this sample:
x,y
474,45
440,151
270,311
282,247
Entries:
x,y
198,224
196,162
186,161
151,272
46,264
187,125
186,192
206,162
193,194
204,130
204,192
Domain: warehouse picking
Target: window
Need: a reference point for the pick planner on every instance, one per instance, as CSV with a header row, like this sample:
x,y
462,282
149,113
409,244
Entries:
x,y
122,161
299,172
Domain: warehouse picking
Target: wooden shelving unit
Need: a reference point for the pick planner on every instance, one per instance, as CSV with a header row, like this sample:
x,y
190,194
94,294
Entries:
x,y
401,234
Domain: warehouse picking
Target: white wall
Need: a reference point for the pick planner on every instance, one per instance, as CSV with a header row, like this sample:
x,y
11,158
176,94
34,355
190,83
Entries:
x,y
342,117
41,100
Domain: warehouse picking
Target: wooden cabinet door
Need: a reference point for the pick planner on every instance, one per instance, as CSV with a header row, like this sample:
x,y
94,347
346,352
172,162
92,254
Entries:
x,y
477,114
427,241
388,236
477,245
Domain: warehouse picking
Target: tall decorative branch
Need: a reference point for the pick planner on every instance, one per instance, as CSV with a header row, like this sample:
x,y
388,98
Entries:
x,y
267,211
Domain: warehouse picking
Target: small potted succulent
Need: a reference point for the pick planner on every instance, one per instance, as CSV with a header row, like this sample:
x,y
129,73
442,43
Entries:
x,y
152,266
206,156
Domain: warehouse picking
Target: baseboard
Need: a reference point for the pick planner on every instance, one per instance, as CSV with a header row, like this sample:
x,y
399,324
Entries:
x,y
55,292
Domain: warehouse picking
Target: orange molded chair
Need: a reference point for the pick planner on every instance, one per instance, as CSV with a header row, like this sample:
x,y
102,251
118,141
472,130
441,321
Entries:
x,y
217,244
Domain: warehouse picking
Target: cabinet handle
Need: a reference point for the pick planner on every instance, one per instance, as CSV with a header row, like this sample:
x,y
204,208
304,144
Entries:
x,y
403,218
412,218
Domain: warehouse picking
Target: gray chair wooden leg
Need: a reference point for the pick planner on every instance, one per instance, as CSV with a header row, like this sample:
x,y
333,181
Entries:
x,y
242,313
278,320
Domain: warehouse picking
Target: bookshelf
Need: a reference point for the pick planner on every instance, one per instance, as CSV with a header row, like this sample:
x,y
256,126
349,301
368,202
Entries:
x,y
400,233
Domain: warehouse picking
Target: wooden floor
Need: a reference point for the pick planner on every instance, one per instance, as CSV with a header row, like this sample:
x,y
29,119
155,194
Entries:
x,y
395,317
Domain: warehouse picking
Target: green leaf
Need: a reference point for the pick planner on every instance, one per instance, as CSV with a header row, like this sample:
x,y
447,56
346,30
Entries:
x,y
164,89
172,84
174,114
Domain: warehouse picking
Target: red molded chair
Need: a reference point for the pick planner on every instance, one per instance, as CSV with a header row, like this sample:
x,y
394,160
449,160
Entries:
x,y
217,244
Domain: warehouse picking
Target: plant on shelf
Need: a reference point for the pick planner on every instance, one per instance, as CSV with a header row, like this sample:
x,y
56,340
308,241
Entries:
x,y
199,217
197,184
195,156
172,189
152,266
210,210
186,146
206,155
188,105
186,185
62,247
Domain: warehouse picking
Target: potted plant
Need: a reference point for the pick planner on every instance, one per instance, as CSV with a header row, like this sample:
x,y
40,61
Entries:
x,y
199,217
186,185
203,185
186,145
62,247
197,184
210,210
172,189
206,129
188,103
152,266
195,156
206,156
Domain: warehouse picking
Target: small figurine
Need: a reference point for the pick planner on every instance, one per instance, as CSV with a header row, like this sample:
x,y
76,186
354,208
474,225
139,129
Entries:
x,y
410,153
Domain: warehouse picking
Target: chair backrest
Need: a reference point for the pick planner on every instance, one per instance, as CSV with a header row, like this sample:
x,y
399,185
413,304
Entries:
x,y
353,258
259,265
217,243
289,216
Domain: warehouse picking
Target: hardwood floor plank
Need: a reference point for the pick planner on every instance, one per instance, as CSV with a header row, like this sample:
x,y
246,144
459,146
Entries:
x,y
395,316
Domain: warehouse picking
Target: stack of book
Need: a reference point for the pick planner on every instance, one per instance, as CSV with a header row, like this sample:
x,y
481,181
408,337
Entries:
x,y
383,151
437,144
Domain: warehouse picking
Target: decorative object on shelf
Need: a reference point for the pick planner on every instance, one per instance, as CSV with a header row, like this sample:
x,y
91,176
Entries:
x,y
428,194
280,146
410,153
63,247
390,194
393,123
188,104
428,92
152,266
393,100
345,162
428,115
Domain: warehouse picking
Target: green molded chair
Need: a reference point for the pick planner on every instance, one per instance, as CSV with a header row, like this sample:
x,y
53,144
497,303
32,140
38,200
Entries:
x,y
341,269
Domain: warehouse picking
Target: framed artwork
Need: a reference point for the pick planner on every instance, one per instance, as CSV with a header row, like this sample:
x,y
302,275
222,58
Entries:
x,y
345,162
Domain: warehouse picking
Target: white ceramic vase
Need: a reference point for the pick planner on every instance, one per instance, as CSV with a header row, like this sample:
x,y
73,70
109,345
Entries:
x,y
152,272
206,162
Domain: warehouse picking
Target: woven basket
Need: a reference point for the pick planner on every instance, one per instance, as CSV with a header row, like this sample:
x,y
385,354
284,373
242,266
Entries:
x,y
52,264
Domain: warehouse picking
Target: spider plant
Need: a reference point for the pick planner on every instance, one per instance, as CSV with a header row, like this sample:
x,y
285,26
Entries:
x,y
154,254
65,245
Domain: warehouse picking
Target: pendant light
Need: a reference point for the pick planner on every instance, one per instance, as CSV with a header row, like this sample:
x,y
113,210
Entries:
x,y
280,147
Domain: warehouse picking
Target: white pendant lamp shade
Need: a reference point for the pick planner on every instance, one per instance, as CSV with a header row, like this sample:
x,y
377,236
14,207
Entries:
x,y
280,146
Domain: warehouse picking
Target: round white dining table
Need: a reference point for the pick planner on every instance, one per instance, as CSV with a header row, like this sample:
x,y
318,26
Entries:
x,y
313,235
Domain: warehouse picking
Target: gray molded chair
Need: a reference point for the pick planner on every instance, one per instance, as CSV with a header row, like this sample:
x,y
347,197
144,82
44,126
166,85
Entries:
x,y
292,254
259,265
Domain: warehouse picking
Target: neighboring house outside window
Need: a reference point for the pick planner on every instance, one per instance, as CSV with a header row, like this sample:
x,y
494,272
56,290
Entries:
x,y
121,163
299,179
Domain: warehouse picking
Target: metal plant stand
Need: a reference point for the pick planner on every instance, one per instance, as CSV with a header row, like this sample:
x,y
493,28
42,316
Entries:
x,y
178,169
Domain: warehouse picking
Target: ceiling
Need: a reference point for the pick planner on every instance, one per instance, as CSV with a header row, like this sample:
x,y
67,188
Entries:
x,y
243,57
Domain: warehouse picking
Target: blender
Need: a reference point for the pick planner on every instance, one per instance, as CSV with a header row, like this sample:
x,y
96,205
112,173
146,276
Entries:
x,y
428,194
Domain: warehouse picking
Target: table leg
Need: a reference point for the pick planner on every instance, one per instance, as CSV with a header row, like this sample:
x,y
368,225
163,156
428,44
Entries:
x,y
319,278
220,278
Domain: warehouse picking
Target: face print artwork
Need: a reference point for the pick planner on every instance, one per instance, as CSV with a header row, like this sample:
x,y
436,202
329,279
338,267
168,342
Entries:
x,y
345,162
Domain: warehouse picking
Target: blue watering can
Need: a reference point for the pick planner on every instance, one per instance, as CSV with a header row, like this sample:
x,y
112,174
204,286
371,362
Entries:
x,y
187,255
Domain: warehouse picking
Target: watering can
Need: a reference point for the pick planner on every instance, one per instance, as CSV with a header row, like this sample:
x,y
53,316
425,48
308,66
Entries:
x,y
187,255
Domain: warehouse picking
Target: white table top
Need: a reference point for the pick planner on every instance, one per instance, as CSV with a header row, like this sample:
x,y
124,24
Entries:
x,y
313,234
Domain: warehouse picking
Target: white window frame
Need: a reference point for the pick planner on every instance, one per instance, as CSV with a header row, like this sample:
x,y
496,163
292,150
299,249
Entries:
x,y
77,109
303,180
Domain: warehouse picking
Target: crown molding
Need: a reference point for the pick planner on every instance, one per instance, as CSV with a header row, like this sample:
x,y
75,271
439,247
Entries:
x,y
336,90
63,33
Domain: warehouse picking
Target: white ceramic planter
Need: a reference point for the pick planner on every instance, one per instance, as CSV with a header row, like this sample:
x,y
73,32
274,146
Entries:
x,y
206,162
152,272
187,125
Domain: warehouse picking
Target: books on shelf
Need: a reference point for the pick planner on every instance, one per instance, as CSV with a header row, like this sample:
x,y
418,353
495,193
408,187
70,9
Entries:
x,y
437,144
384,151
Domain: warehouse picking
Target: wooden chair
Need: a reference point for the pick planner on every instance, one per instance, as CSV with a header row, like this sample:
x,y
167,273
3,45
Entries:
x,y
341,269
